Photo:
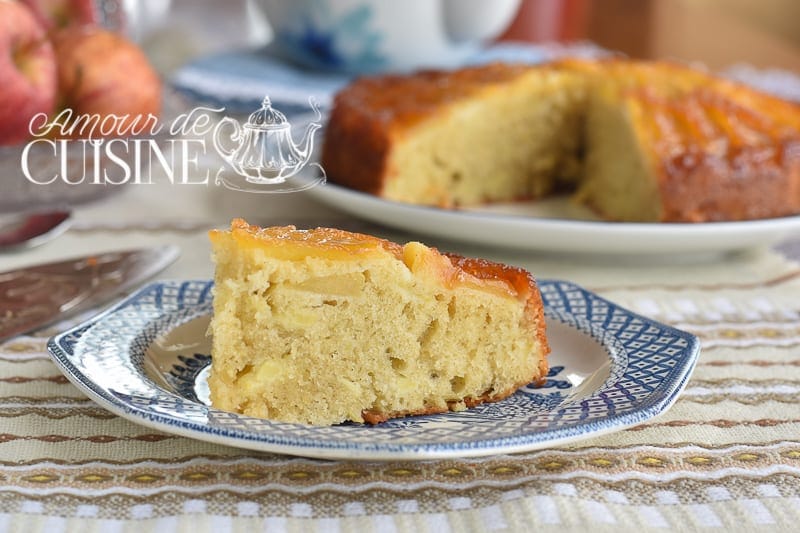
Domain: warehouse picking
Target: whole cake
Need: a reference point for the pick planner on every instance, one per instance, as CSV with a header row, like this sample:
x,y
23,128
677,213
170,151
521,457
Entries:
x,y
323,326
636,141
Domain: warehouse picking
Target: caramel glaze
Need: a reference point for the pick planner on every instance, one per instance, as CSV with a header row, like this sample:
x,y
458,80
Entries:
x,y
321,239
717,159
719,150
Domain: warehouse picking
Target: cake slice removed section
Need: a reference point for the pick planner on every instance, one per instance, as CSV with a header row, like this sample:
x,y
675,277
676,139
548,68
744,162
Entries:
x,y
324,326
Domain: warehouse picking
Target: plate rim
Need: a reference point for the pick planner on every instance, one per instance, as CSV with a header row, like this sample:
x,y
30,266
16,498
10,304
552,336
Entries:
x,y
552,234
362,451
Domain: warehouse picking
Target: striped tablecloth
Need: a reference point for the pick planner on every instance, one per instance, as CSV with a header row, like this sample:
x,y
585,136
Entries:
x,y
726,456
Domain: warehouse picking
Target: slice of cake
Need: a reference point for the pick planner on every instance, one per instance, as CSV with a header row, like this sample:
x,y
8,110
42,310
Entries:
x,y
324,326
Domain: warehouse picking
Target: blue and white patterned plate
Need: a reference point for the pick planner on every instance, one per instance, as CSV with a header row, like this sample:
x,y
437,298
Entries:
x,y
146,360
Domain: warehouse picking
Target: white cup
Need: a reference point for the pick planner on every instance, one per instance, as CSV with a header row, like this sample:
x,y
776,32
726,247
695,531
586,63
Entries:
x,y
366,36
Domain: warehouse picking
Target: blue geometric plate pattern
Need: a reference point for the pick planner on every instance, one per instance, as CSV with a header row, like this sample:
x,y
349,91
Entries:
x,y
146,359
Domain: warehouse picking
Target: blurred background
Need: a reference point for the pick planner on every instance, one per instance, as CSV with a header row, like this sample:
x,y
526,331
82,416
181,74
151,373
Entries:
x,y
718,33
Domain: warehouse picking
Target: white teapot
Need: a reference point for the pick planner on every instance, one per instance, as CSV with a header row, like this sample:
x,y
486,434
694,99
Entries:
x,y
264,151
367,36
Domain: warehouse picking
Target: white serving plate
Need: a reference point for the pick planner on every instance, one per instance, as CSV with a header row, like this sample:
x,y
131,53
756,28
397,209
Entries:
x,y
558,225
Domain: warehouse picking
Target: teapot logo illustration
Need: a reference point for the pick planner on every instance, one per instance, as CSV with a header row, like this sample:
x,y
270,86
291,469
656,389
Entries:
x,y
265,154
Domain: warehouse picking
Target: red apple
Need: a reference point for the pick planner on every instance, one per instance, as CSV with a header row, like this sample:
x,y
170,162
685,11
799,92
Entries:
x,y
27,71
54,14
103,73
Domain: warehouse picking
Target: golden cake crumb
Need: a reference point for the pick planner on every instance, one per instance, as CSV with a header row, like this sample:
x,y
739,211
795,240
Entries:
x,y
323,326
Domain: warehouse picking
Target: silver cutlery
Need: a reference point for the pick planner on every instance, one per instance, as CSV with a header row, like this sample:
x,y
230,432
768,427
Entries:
x,y
19,231
36,296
